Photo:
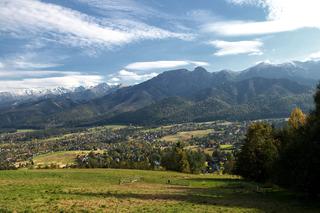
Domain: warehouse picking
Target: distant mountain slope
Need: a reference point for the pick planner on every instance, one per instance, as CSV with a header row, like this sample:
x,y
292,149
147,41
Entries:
x,y
181,95
14,98
247,99
33,111
181,83
173,96
307,73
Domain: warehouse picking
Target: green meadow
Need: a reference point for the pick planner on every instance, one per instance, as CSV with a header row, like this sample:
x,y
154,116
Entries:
x,y
112,190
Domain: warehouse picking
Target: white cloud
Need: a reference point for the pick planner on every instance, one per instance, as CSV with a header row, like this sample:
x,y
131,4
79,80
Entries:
x,y
121,7
25,61
10,74
131,74
32,18
136,72
237,47
129,77
252,2
27,70
240,28
68,81
125,75
267,61
114,79
313,56
283,15
150,65
32,65
200,15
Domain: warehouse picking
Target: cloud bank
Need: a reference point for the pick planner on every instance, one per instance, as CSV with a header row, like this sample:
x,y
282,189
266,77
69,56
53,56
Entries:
x,y
237,47
129,77
148,65
27,18
68,81
282,16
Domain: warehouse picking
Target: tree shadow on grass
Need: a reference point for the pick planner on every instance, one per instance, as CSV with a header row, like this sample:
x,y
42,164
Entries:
x,y
233,194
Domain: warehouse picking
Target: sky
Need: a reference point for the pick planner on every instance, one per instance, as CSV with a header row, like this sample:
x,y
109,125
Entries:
x,y
68,43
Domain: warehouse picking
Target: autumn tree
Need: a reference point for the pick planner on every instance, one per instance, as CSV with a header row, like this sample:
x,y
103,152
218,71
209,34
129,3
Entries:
x,y
300,154
297,118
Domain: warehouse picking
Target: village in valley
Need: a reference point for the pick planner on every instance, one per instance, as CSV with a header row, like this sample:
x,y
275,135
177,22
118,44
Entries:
x,y
217,141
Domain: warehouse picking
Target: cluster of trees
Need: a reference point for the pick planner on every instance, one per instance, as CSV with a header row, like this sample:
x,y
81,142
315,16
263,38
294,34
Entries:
x,y
289,157
221,161
146,157
179,159
133,155
7,165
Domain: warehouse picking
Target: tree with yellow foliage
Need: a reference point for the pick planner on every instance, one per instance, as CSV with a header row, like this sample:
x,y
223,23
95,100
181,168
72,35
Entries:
x,y
297,118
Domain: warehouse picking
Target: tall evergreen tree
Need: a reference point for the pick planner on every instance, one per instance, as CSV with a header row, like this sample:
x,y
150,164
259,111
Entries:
x,y
258,153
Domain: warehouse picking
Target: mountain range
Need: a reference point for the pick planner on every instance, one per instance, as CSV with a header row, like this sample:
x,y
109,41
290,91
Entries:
x,y
262,91
77,94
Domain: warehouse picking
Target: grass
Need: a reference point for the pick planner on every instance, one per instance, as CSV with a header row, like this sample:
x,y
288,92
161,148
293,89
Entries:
x,y
208,151
113,127
111,190
59,158
226,146
25,130
182,136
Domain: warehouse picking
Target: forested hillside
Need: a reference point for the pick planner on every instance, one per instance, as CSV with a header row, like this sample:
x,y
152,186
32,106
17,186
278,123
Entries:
x,y
173,96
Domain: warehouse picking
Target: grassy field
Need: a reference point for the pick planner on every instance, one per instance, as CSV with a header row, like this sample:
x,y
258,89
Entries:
x,y
182,136
226,146
59,158
25,130
110,190
113,127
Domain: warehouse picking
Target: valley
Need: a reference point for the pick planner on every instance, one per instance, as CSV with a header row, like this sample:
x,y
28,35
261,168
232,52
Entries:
x,y
173,140
159,106
59,148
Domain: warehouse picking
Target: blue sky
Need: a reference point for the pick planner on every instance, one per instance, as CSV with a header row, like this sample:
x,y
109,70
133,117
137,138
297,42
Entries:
x,y
51,43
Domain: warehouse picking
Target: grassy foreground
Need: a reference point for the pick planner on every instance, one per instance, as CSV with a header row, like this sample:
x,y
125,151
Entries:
x,y
110,190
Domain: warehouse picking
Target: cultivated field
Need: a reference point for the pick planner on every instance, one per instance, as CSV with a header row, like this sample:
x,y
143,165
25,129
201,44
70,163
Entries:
x,y
186,135
60,159
110,190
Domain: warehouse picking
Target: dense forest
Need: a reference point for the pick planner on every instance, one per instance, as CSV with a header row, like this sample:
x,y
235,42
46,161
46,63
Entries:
x,y
288,156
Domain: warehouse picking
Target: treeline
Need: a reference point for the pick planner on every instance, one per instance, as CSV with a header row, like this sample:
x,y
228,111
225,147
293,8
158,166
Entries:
x,y
6,164
13,135
289,157
175,158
